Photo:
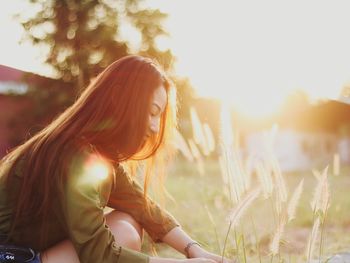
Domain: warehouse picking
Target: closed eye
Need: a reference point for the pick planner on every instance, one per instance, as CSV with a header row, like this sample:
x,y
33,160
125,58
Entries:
x,y
155,110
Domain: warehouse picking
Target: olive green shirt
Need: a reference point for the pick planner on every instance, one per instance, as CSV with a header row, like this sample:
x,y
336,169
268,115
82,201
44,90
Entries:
x,y
80,215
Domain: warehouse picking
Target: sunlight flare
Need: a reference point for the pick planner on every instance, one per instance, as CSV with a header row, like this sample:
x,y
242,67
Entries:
x,y
96,169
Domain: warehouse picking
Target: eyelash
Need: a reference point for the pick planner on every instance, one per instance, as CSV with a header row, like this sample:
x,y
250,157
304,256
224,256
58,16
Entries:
x,y
154,114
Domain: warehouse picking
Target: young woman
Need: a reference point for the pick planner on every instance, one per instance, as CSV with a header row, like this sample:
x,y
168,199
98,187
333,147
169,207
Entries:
x,y
52,201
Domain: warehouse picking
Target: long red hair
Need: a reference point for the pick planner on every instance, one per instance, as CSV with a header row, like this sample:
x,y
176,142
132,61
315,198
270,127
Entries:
x,y
111,115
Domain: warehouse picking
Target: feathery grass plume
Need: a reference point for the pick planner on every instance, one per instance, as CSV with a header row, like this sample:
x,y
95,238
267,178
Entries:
x,y
238,212
320,210
209,137
229,169
336,164
226,132
265,179
197,156
273,165
269,140
324,202
232,164
323,214
226,179
293,202
198,132
317,174
319,205
242,178
248,170
322,180
280,182
224,172
194,150
230,159
312,239
181,145
242,206
239,175
275,242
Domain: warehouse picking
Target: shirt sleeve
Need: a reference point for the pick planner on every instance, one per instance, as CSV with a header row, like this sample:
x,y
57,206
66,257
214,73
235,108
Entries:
x,y
86,225
128,196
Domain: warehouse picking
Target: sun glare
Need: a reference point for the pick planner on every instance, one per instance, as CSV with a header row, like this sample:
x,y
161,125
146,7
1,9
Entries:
x,y
96,169
258,107
248,61
252,62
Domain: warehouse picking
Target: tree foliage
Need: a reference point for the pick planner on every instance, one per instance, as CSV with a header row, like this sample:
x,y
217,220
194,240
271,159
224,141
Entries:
x,y
83,37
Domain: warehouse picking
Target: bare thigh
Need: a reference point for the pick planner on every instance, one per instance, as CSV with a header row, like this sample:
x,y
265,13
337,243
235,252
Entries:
x,y
127,232
123,227
116,217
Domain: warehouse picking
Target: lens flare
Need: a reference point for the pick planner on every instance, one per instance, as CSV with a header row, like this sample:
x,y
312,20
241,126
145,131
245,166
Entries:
x,y
96,169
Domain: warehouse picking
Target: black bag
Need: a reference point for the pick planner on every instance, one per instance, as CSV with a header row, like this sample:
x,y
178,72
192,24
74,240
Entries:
x,y
16,254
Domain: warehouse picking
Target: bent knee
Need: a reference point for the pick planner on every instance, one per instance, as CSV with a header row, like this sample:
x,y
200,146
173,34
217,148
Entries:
x,y
126,231
126,235
116,216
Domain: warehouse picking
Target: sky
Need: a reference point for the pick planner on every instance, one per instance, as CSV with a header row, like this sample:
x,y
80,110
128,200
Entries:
x,y
248,53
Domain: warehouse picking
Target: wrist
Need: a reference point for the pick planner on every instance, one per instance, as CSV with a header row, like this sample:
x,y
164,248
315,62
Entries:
x,y
193,249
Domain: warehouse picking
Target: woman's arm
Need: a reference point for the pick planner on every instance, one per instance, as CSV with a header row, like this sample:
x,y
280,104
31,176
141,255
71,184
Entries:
x,y
179,239
83,217
127,196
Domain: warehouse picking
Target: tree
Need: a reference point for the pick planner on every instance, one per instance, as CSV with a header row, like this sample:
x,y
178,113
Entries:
x,y
83,37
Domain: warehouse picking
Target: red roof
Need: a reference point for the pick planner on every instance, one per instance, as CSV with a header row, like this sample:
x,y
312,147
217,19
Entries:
x,y
10,74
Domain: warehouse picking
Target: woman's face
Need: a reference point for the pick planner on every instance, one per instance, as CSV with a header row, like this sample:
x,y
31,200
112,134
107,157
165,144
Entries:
x,y
158,104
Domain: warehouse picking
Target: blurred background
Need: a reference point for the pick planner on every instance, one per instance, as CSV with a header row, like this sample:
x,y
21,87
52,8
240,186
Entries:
x,y
248,66
269,62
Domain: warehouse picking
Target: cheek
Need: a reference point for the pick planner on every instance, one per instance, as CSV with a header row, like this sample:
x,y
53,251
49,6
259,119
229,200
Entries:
x,y
155,124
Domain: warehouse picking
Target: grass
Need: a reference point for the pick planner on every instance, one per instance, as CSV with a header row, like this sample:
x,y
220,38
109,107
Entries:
x,y
197,194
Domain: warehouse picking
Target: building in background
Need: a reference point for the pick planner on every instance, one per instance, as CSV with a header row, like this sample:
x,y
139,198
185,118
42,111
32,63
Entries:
x,y
12,104
306,139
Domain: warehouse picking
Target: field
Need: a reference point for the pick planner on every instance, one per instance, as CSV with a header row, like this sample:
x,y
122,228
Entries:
x,y
202,208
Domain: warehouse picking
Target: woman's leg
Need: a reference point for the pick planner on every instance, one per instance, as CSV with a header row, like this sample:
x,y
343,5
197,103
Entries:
x,y
125,229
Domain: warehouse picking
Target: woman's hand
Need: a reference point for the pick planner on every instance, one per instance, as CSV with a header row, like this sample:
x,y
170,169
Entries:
x,y
199,260
207,259
178,239
198,252
190,260
217,258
